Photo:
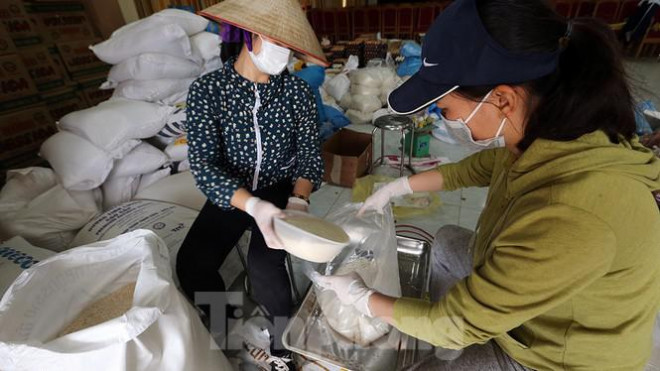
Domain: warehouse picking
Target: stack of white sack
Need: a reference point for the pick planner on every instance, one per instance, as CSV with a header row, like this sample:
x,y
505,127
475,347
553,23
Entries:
x,y
157,58
34,205
94,141
368,92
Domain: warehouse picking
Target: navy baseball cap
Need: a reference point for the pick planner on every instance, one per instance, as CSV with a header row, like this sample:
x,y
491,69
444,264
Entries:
x,y
458,51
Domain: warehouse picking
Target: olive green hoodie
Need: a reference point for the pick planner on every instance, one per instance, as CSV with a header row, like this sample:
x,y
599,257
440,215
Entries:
x,y
566,269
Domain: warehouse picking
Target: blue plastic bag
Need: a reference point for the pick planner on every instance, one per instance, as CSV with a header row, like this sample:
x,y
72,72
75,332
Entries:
x,y
411,49
409,66
314,76
643,126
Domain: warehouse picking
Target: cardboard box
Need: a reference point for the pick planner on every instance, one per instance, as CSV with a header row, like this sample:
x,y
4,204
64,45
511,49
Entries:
x,y
22,28
61,21
347,156
16,86
6,43
42,68
89,89
63,101
78,60
23,132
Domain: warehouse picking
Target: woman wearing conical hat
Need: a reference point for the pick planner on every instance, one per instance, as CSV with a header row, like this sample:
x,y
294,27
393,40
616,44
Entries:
x,y
254,150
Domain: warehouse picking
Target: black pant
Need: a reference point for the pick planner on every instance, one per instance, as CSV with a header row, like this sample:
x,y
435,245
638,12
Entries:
x,y
211,238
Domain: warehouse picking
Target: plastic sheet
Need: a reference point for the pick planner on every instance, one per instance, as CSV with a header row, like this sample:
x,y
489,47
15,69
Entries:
x,y
372,253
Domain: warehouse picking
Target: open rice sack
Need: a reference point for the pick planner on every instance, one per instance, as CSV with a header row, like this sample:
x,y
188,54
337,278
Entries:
x,y
110,305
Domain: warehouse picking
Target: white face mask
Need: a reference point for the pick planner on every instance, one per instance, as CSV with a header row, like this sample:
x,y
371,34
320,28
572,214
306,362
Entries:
x,y
272,59
462,133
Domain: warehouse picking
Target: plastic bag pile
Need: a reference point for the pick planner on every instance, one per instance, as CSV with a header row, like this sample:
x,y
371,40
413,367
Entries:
x,y
362,92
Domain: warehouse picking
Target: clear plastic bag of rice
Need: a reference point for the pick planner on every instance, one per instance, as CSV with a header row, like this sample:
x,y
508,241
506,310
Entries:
x,y
372,254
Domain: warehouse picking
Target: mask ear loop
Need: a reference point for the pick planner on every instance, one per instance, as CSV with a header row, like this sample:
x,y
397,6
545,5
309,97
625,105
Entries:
x,y
474,112
499,131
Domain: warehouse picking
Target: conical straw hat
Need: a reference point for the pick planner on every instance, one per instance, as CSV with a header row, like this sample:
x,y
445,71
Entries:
x,y
279,20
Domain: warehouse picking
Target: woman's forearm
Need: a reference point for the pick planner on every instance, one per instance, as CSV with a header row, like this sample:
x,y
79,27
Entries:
x,y
303,187
239,198
428,181
382,306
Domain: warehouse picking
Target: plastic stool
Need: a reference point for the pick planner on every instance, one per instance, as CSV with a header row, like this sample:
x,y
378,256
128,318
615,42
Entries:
x,y
394,123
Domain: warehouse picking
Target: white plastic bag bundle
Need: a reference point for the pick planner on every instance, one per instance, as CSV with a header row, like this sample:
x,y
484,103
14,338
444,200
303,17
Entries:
x,y
364,90
189,22
373,255
35,206
346,102
151,66
206,45
338,86
159,331
168,39
368,77
79,165
113,122
118,190
143,159
152,90
17,255
366,103
357,117
178,150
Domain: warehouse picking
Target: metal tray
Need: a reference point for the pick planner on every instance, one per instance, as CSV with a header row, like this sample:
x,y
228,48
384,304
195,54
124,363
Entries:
x,y
306,336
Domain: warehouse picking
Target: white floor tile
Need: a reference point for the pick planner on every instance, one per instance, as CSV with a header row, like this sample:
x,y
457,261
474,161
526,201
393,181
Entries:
x,y
451,197
322,200
469,217
474,197
445,214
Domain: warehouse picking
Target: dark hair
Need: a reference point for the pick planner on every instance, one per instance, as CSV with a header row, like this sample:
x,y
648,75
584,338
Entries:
x,y
589,89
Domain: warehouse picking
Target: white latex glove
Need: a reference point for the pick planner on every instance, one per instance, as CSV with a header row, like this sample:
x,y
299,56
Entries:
x,y
297,204
350,289
381,198
263,213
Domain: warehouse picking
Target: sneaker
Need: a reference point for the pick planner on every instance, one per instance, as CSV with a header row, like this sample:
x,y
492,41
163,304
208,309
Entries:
x,y
264,360
282,363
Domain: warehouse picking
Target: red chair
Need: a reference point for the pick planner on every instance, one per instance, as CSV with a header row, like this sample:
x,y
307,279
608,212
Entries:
x,y
388,24
607,10
564,8
360,24
374,19
329,24
425,18
628,8
440,7
314,18
343,24
651,42
406,22
585,8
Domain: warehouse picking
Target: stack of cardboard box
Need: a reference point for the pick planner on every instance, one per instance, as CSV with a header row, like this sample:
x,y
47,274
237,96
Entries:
x,y
46,71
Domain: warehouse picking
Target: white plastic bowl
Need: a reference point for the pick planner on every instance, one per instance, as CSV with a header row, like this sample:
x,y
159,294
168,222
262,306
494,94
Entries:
x,y
305,244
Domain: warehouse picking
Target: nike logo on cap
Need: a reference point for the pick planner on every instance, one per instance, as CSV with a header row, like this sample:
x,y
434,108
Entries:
x,y
427,64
